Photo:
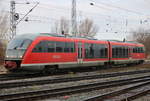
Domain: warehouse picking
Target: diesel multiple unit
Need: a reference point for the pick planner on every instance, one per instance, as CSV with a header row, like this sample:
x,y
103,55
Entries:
x,y
46,51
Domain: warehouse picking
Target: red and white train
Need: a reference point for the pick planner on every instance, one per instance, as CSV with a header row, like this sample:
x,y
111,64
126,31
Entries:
x,y
46,51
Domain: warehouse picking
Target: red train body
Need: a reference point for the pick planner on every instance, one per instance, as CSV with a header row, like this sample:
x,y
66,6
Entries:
x,y
47,51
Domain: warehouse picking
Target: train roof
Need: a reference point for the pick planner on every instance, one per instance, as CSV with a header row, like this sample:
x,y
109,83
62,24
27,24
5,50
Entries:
x,y
57,35
33,36
130,42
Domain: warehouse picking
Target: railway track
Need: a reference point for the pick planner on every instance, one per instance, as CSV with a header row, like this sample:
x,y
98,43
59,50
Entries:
x,y
22,83
6,77
126,94
14,76
34,95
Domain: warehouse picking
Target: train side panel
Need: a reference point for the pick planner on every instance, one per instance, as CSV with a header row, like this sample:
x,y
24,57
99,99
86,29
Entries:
x,y
123,53
32,58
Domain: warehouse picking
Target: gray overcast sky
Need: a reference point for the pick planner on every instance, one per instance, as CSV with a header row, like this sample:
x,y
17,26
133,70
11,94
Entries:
x,y
115,18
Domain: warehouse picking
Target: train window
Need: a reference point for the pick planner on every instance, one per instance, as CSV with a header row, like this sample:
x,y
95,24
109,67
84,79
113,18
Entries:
x,y
69,47
102,51
51,46
95,51
138,50
134,50
60,46
113,52
119,51
40,47
126,52
86,50
72,47
142,50
89,52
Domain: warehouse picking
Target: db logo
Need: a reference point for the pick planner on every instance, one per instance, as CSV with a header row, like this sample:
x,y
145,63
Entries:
x,y
56,56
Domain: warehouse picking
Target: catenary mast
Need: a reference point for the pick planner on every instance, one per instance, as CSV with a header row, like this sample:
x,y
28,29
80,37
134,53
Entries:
x,y
73,19
12,20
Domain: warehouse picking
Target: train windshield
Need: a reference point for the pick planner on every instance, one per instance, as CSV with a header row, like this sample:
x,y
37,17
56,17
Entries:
x,y
17,47
20,42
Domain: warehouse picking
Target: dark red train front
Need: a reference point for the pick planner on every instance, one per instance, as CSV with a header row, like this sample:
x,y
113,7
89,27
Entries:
x,y
16,50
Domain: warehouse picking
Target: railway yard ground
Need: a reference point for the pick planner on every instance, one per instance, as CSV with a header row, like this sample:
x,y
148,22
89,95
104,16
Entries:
x,y
73,87
2,70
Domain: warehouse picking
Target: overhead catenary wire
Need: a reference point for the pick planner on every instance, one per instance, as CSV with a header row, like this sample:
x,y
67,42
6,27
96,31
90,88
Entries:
x,y
48,18
26,14
120,8
65,11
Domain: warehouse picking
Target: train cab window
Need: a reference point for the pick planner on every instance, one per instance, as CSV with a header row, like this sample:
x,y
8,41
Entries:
x,y
25,44
19,43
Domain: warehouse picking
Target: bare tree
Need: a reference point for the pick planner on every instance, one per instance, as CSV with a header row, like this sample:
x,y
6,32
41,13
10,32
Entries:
x,y
3,22
142,36
61,26
3,31
87,28
4,25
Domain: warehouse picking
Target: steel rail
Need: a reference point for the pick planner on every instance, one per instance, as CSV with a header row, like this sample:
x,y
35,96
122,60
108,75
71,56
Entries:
x,y
110,95
67,79
66,90
6,77
135,96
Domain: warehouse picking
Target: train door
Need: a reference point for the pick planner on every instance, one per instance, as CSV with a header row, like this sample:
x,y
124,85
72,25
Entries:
x,y
130,51
80,55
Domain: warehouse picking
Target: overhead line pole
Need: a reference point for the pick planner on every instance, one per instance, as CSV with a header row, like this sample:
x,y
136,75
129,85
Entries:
x,y
15,16
12,20
74,19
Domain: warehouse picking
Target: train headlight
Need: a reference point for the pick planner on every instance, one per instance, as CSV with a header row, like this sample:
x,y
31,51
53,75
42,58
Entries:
x,y
20,56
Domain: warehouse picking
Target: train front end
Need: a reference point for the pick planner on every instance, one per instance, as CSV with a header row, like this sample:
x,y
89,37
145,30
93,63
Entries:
x,y
15,51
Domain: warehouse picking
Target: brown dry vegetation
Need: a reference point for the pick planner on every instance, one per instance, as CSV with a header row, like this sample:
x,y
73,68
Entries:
x,y
4,25
142,36
2,52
